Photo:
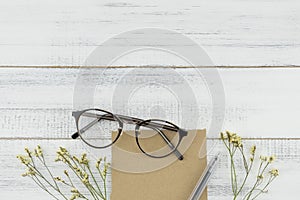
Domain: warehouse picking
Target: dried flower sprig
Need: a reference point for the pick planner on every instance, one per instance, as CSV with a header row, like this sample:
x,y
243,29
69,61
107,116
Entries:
x,y
264,176
80,168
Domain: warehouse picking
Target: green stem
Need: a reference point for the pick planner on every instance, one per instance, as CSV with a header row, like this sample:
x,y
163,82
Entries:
x,y
90,188
104,182
233,172
104,185
245,179
94,193
95,181
38,182
43,177
43,187
70,181
232,167
80,178
244,158
225,144
258,181
97,193
262,190
56,188
44,163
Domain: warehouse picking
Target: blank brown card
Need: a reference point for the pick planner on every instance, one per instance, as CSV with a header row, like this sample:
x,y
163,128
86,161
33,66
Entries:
x,y
133,179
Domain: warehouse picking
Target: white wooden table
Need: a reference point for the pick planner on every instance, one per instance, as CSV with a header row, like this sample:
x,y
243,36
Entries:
x,y
255,43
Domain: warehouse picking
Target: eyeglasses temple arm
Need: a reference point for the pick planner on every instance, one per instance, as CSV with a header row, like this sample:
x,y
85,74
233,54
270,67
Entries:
x,y
76,135
89,125
176,152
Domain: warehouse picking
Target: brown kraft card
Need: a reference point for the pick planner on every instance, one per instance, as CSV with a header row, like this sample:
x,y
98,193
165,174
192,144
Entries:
x,y
136,176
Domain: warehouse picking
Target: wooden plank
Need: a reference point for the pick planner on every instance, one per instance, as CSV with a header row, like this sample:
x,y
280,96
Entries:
x,y
37,103
232,32
13,186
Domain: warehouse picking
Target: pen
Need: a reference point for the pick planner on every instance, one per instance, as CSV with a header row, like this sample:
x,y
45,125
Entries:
x,y
202,183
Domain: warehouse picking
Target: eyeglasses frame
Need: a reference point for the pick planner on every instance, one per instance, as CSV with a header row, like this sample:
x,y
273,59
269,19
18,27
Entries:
x,y
131,120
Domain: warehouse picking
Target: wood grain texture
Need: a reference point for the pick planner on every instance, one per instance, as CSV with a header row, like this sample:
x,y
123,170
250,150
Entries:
x,y
13,186
262,103
37,103
233,32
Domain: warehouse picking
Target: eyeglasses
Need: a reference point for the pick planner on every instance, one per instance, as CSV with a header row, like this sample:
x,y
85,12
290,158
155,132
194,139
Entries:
x,y
155,138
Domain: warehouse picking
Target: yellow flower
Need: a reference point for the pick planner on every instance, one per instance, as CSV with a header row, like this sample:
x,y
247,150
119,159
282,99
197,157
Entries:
x,y
24,160
30,172
271,159
85,179
74,196
62,158
236,140
252,150
76,159
104,172
229,134
62,155
38,151
232,138
260,176
98,163
263,158
274,172
28,151
66,172
84,159
62,151
78,170
223,136
74,190
59,179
